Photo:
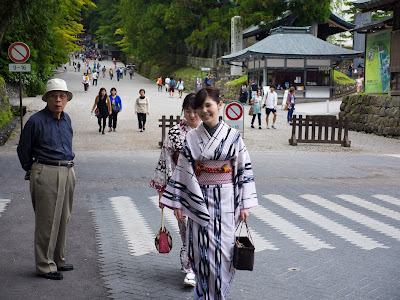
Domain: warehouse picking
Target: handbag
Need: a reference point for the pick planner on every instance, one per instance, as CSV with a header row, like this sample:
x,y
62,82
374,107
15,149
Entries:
x,y
115,108
286,107
251,111
243,254
163,239
97,112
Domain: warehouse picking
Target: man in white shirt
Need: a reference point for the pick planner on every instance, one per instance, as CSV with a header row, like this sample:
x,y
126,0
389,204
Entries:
x,y
95,76
167,81
271,103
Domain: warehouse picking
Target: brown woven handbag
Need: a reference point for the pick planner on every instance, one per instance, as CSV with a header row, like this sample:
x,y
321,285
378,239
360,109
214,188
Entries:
x,y
243,255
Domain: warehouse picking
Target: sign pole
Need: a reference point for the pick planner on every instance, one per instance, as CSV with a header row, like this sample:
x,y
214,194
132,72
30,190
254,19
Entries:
x,y
20,101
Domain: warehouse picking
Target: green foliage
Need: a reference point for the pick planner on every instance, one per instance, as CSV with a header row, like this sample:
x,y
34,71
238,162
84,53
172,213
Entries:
x,y
187,72
238,81
5,109
309,11
49,28
341,78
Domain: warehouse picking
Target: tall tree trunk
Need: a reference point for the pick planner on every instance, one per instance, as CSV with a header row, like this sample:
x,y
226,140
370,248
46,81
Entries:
x,y
3,27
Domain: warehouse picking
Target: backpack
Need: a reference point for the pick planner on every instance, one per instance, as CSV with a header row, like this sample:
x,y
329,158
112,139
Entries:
x,y
172,83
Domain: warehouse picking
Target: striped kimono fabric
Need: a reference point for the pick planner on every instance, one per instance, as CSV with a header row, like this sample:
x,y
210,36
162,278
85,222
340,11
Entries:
x,y
213,209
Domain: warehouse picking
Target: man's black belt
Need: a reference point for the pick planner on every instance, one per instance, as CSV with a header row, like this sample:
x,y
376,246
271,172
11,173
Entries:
x,y
57,163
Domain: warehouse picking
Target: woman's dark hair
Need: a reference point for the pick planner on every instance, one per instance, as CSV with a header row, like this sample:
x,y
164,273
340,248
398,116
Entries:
x,y
188,101
201,96
181,79
142,90
102,89
113,89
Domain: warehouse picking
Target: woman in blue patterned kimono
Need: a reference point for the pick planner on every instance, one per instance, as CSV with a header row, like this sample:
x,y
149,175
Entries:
x,y
213,185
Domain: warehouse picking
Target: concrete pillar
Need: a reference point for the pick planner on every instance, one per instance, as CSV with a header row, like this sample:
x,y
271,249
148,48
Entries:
x,y
236,42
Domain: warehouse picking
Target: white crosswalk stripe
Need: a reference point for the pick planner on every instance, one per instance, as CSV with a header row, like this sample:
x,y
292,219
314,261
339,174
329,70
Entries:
x,y
388,199
355,216
371,206
3,204
290,230
335,228
135,228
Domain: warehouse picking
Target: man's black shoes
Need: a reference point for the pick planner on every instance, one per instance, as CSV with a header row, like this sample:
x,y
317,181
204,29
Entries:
x,y
55,275
66,268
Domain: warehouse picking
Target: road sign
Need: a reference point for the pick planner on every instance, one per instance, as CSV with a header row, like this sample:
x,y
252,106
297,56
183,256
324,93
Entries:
x,y
205,69
19,67
19,52
233,111
233,115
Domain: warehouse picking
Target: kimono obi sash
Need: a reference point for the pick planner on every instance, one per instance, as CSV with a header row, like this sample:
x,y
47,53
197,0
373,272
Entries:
x,y
211,172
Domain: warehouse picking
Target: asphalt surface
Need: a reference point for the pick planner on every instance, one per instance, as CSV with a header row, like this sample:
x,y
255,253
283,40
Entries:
x,y
327,227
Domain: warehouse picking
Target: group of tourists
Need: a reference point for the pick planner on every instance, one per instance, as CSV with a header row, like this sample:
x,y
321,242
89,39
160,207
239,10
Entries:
x,y
204,174
171,85
107,106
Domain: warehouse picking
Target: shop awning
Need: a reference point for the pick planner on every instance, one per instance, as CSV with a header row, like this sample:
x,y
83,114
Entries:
x,y
292,42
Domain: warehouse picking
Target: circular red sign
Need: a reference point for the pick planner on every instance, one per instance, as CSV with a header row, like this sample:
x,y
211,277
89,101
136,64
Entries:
x,y
19,52
233,111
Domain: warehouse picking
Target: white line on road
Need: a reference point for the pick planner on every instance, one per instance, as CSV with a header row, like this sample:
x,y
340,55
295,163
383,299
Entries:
x,y
388,199
371,206
355,216
3,204
136,230
333,227
290,230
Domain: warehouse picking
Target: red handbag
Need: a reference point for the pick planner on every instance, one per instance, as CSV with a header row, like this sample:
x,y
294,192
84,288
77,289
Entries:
x,y
163,239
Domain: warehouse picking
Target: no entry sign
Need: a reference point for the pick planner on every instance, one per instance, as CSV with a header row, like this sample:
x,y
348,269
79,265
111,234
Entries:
x,y
19,52
233,111
233,116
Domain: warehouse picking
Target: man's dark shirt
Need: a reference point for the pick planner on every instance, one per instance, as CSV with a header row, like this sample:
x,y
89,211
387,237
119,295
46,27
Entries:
x,y
45,137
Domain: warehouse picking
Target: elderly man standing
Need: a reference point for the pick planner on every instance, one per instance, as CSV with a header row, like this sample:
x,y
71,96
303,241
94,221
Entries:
x,y
45,153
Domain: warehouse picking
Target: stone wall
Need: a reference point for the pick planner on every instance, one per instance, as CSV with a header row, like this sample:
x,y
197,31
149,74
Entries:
x,y
341,90
372,114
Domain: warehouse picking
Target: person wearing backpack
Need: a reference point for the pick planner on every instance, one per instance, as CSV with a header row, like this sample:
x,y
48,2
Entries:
x,y
172,86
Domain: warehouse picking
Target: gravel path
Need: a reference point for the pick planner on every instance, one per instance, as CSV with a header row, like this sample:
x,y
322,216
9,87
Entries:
x,y
128,137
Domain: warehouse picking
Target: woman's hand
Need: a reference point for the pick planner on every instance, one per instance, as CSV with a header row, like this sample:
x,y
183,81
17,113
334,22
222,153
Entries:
x,y
110,112
244,214
148,113
178,214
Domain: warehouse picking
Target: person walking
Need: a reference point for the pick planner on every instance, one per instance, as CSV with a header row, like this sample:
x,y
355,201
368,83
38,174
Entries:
x,y
85,82
213,185
159,83
180,86
121,73
167,80
142,108
79,66
116,107
118,74
271,103
104,71
172,86
130,72
95,76
111,72
290,101
45,153
256,101
165,168
243,93
103,105
207,80
359,84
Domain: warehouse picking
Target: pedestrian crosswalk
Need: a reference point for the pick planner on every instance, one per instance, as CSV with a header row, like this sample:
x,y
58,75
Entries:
x,y
3,204
311,222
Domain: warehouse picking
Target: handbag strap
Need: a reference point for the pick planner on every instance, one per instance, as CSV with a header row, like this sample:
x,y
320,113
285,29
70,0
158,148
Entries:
x,y
162,219
247,229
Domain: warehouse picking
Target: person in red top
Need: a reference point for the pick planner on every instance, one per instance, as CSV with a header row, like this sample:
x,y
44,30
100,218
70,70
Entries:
x,y
159,82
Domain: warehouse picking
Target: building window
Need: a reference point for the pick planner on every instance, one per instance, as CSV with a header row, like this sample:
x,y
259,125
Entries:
x,y
285,78
318,78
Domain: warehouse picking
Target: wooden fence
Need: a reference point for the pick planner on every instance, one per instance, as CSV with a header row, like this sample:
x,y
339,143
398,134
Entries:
x,y
320,129
170,122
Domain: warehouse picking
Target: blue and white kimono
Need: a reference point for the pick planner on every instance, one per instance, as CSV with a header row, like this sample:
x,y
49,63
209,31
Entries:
x,y
213,209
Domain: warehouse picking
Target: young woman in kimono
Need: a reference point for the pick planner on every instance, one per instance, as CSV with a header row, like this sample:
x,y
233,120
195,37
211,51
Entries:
x,y
166,166
213,185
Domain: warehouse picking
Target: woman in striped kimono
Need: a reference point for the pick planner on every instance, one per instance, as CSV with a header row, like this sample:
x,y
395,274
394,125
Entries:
x,y
166,166
213,185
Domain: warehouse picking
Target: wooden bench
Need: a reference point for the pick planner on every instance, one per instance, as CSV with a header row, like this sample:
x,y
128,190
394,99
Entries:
x,y
170,122
320,130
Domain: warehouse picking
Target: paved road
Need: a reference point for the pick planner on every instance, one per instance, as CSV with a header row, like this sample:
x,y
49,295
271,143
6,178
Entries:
x,y
328,224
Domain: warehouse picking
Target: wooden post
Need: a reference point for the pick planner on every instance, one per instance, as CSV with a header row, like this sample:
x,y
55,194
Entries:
x,y
292,140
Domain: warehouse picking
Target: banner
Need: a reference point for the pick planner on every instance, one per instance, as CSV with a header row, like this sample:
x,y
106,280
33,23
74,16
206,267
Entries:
x,y
377,60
